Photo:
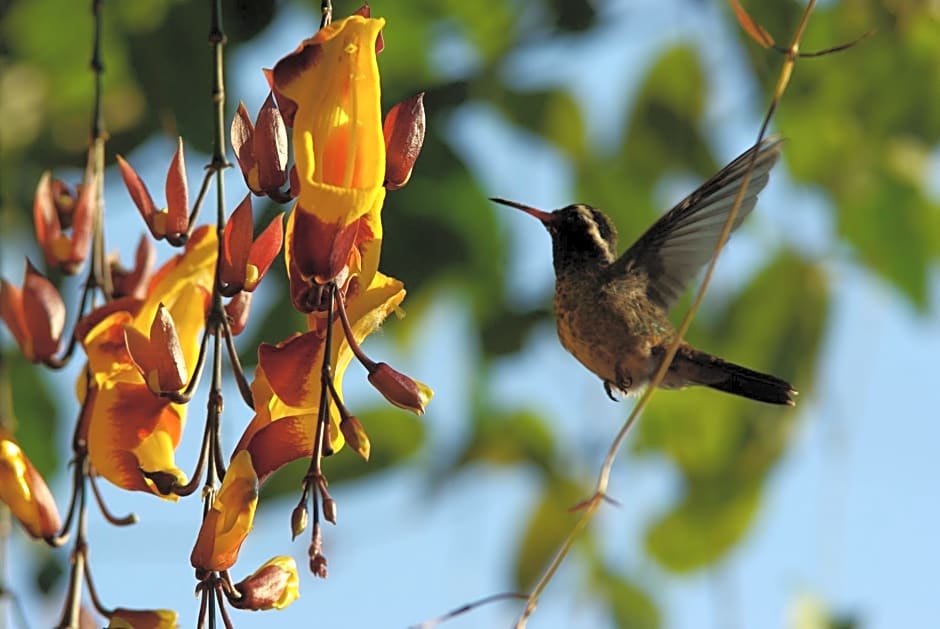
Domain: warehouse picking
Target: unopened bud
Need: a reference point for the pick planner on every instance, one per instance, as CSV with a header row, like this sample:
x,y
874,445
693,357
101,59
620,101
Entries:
x,y
355,436
399,389
272,586
404,136
317,559
237,310
298,520
318,565
34,315
329,509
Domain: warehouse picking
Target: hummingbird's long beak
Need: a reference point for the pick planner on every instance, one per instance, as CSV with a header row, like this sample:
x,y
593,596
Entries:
x,y
545,217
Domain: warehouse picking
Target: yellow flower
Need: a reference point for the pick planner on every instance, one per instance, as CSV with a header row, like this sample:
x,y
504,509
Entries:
x,y
339,146
143,619
231,517
132,434
287,380
25,492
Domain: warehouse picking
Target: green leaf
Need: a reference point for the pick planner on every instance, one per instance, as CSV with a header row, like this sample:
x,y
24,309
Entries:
x,y
894,228
776,326
554,114
724,446
549,524
35,413
509,438
662,136
703,527
507,330
631,606
868,151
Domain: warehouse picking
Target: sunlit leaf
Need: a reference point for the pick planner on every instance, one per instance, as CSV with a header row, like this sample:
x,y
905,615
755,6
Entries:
x,y
703,527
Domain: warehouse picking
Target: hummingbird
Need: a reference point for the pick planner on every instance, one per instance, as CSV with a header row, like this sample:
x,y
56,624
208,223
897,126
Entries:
x,y
612,312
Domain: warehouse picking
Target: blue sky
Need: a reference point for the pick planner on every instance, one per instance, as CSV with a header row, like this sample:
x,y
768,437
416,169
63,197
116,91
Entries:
x,y
850,514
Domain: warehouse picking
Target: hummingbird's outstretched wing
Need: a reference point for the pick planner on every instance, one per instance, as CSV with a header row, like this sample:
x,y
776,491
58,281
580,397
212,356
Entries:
x,y
684,239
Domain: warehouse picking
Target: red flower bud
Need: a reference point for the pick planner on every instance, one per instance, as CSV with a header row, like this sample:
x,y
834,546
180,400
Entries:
x,y
173,222
261,148
133,283
404,137
399,389
34,315
237,310
245,261
57,208
159,357
274,585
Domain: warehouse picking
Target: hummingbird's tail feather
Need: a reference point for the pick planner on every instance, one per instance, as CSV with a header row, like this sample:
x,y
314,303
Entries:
x,y
691,366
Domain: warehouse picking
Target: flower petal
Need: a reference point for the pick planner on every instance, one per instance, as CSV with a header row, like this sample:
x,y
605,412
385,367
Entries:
x,y
25,492
241,133
292,368
177,195
230,518
270,146
140,195
44,313
264,249
143,619
46,219
11,311
236,246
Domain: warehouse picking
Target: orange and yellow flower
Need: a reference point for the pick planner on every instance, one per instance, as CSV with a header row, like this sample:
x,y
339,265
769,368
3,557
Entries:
x,y
143,619
131,432
339,147
230,518
287,383
24,491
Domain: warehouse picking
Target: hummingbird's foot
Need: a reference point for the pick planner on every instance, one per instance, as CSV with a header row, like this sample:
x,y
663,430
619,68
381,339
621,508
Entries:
x,y
609,390
622,384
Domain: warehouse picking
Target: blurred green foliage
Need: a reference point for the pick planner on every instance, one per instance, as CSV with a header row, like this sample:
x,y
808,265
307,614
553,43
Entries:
x,y
858,128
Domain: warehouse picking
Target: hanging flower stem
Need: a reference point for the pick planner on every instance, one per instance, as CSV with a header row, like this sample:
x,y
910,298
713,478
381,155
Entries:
x,y
71,610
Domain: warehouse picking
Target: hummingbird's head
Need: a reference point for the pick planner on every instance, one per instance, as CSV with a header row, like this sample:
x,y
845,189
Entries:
x,y
580,233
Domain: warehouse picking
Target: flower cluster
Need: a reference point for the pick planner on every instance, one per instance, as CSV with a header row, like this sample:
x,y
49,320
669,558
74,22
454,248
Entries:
x,y
147,343
327,92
